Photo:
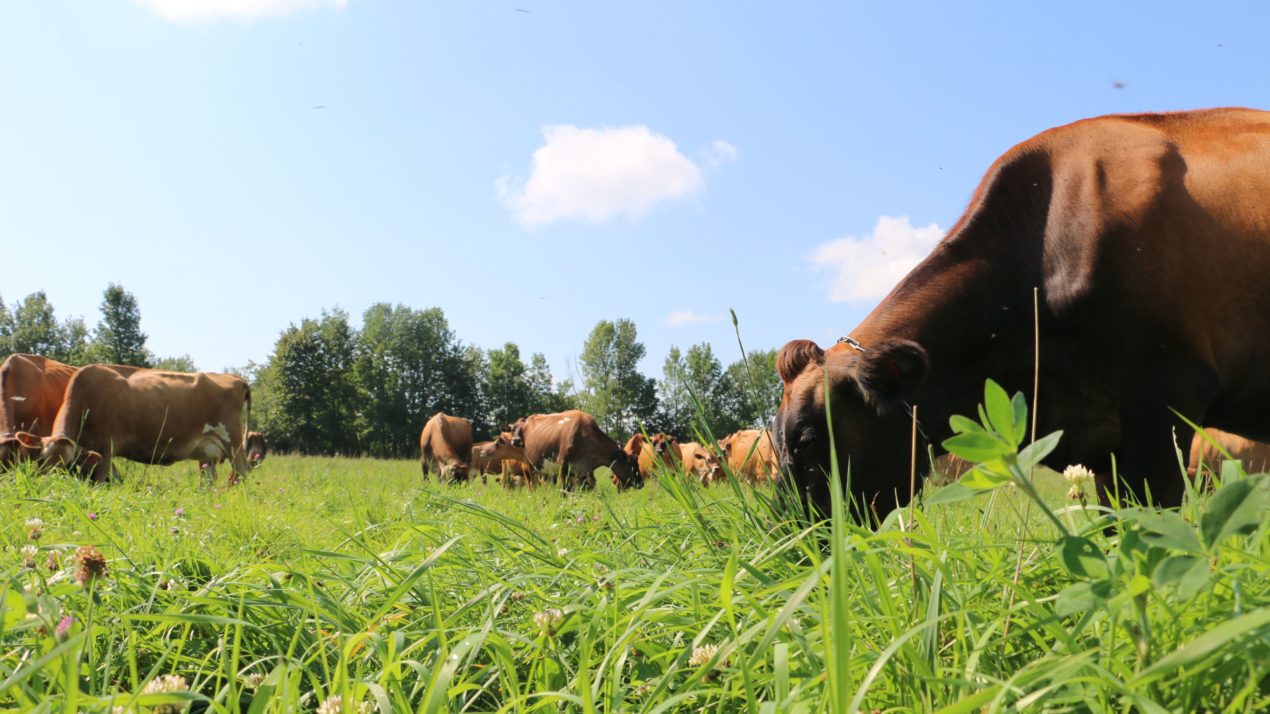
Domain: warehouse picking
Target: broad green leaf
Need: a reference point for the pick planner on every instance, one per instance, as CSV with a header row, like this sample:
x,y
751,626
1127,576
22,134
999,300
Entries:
x,y
1189,573
14,608
1083,559
1165,529
976,447
1080,597
1000,413
1237,508
1035,452
1019,404
964,425
952,493
982,479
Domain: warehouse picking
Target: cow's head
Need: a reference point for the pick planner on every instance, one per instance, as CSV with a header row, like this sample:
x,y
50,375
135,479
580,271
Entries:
x,y
62,452
22,446
705,465
663,443
454,471
868,392
501,449
256,448
626,471
517,432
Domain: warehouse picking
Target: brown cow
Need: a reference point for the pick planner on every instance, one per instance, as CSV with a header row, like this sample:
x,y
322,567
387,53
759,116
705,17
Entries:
x,y
31,392
1148,239
256,448
500,457
151,416
751,457
1254,454
578,445
660,448
446,440
701,462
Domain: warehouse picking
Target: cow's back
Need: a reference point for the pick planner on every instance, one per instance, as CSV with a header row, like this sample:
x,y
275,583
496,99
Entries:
x,y
32,389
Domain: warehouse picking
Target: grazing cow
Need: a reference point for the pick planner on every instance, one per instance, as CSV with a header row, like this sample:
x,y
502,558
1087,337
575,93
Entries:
x,y
446,441
578,445
500,457
650,451
31,391
256,449
1147,238
150,416
1254,454
701,461
750,455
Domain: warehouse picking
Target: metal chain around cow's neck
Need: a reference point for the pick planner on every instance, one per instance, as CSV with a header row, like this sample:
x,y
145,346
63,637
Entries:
x,y
855,345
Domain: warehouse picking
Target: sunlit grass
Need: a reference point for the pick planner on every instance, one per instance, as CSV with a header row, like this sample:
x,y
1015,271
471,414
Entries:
x,y
351,577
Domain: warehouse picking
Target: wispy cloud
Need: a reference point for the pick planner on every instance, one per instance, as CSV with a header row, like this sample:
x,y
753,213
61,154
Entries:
x,y
204,10
688,317
600,174
867,268
721,152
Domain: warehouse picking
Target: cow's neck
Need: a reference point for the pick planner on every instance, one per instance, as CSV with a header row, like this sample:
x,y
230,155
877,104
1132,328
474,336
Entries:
x,y
972,313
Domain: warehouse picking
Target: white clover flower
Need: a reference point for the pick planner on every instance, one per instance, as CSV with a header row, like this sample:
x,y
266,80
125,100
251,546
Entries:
x,y
548,621
253,681
1081,480
335,705
562,552
701,655
166,684
34,523
37,528
29,551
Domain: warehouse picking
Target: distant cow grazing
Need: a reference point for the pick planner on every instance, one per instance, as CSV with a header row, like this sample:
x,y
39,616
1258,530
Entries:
x,y
150,416
31,391
1146,241
650,451
500,457
750,455
445,447
578,445
701,462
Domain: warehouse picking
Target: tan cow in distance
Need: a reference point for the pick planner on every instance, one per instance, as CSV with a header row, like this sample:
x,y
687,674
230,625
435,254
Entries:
x,y
446,441
1255,455
31,391
149,416
578,445
750,455
649,451
701,462
500,457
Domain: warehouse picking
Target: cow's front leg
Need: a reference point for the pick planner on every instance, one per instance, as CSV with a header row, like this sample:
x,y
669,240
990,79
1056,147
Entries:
x,y
208,473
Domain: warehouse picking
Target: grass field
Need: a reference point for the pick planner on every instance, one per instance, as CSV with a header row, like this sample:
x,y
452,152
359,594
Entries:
x,y
323,578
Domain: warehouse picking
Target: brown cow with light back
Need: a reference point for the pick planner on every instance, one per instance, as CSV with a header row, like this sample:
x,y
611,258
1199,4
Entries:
x,y
750,455
31,391
650,451
150,416
578,445
500,457
445,447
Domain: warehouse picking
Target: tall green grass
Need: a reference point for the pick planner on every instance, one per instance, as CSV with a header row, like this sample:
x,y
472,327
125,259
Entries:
x,y
320,578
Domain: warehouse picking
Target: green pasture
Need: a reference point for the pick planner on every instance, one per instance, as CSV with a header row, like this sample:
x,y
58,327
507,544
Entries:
x,y
334,577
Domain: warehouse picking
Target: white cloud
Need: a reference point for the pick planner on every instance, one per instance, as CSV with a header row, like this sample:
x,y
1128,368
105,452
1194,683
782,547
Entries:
x,y
688,317
721,152
598,174
867,268
200,10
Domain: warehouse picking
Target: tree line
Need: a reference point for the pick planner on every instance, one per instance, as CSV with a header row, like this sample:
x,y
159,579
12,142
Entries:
x,y
331,387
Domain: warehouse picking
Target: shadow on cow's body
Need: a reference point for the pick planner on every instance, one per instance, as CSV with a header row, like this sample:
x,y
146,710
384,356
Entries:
x,y
1148,237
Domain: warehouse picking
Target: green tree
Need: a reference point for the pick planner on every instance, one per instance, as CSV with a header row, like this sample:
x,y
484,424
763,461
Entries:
x,y
507,385
6,330
547,395
694,386
409,365
616,393
315,396
35,328
119,339
183,363
76,348
756,388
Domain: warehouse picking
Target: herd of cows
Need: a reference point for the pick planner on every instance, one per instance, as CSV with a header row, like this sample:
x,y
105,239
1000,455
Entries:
x,y
1119,261
576,445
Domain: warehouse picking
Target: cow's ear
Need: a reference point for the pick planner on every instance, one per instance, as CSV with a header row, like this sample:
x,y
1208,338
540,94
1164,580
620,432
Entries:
x,y
28,440
890,372
795,356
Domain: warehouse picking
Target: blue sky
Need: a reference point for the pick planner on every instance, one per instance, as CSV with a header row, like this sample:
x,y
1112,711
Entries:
x,y
241,164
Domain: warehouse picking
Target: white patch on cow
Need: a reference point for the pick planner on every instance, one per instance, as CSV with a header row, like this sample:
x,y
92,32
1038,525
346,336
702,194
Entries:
x,y
564,420
18,399
218,430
